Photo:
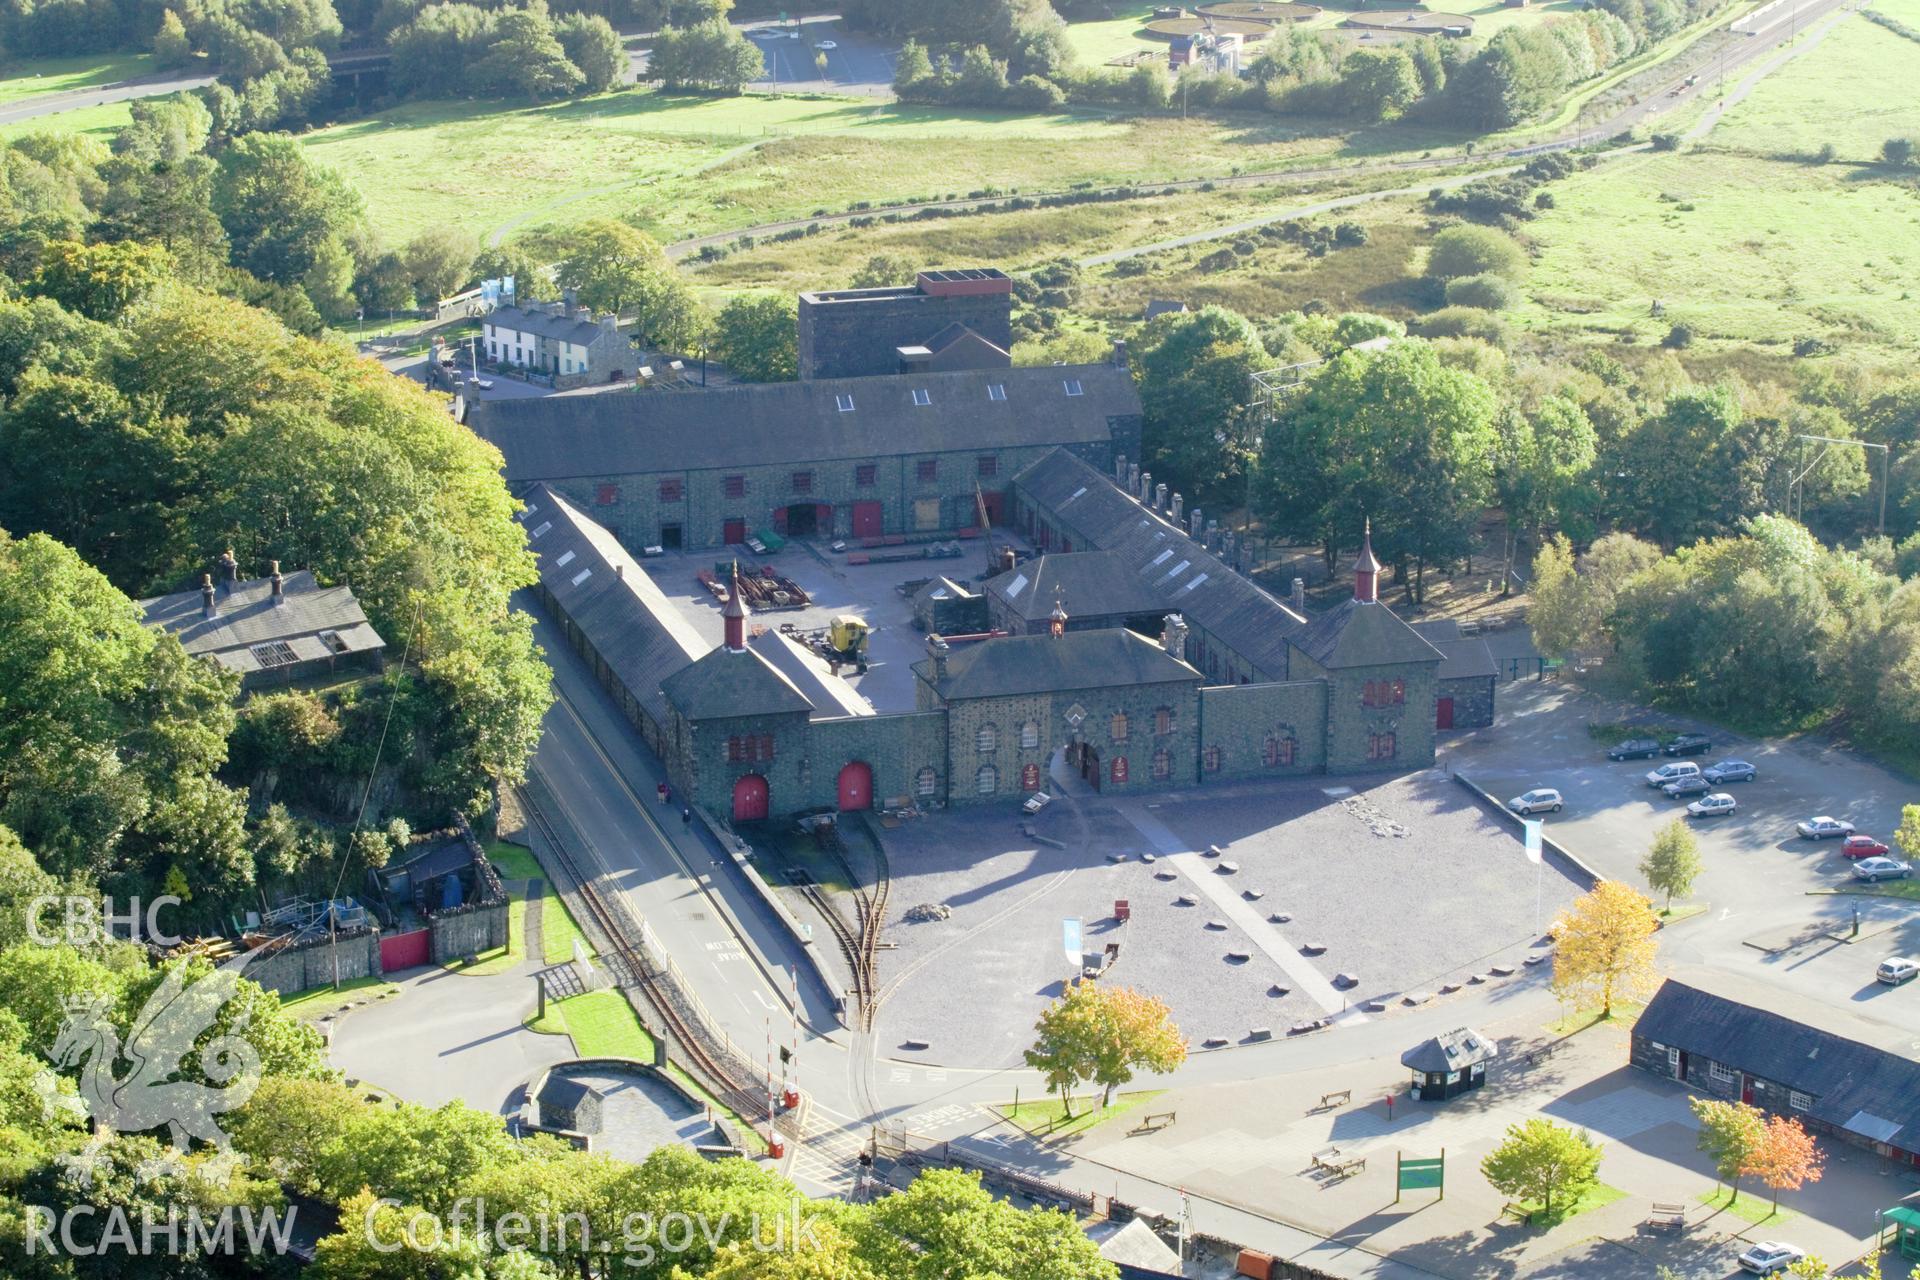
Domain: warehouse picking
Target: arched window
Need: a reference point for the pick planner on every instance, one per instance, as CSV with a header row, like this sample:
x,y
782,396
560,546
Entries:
x,y
1117,769
985,740
1030,734
1163,721
1277,751
1119,726
924,781
1162,765
1210,759
1382,746
987,780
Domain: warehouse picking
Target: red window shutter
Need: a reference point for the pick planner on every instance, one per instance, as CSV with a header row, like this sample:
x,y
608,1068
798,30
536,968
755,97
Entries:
x,y
606,495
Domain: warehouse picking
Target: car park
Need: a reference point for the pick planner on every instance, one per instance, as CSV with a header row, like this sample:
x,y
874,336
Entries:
x,y
1863,847
1691,785
1824,828
1634,749
1874,870
1770,1257
1896,971
1717,805
1538,800
1688,744
1670,773
1730,771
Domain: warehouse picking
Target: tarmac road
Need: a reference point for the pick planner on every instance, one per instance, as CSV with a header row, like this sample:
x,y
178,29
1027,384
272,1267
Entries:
x,y
73,99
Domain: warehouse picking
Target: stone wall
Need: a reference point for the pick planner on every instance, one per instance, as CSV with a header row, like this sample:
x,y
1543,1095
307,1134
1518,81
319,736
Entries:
x,y
1052,714
295,969
1352,725
1472,701
468,930
700,768
1237,720
896,747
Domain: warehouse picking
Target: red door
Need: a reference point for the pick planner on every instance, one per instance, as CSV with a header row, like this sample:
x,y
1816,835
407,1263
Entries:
x,y
1029,777
1746,1088
996,504
779,519
856,786
732,531
1443,713
750,798
866,519
406,950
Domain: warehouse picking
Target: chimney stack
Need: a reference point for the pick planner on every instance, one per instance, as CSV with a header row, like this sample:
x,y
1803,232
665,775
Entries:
x,y
1173,636
1299,596
279,584
1120,469
735,613
937,649
1226,549
1179,509
1120,353
229,572
1133,478
207,606
1160,497
1366,570
1146,488
1213,535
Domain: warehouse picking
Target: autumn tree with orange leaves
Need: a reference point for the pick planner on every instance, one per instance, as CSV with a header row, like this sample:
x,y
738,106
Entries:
x,y
1784,1157
1604,947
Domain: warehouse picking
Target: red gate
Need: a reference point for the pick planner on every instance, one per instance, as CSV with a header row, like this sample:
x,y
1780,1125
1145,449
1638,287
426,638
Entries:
x,y
856,786
733,531
750,798
1443,713
867,519
406,950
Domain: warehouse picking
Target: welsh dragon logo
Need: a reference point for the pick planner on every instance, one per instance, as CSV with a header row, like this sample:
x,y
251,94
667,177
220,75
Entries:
x,y
152,1095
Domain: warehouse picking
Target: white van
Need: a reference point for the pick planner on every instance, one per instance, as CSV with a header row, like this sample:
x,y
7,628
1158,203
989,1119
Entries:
x,y
1672,773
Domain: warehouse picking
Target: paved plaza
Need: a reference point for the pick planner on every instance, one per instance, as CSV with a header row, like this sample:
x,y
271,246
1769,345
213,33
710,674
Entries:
x,y
640,1113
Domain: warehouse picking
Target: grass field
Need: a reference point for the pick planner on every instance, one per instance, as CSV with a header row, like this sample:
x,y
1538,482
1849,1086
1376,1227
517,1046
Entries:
x,y
1725,243
35,78
1840,92
101,120
558,929
1047,1117
321,1001
1752,1206
1108,38
1597,1196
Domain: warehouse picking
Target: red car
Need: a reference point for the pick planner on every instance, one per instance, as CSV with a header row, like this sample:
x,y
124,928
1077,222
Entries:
x,y
1863,847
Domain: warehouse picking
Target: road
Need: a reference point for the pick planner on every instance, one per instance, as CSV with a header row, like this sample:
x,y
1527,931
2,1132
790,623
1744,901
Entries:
x,y
154,86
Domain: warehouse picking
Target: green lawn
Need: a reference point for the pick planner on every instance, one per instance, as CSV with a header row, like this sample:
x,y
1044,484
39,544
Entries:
x,y
1838,92
1724,242
558,928
37,77
1685,911
1880,888
101,120
1101,41
1046,1116
1597,1196
1752,1206
321,1001
1625,1014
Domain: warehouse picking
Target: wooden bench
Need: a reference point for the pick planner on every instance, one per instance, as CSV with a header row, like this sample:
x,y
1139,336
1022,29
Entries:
x,y
1337,1162
1338,1098
1668,1217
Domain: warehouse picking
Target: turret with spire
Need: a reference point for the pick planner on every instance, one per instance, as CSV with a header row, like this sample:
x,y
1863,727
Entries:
x,y
1057,620
1366,569
735,613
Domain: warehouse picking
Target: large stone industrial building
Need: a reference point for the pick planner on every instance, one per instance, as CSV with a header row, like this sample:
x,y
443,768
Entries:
x,y
1135,656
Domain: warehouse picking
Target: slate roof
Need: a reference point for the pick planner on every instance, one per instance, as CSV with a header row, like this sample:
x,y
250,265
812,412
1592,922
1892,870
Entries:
x,y
624,615
725,685
1467,658
439,859
1854,1085
1185,576
1453,1050
559,328
313,621
826,692
1014,665
1360,633
1164,307
1088,583
560,437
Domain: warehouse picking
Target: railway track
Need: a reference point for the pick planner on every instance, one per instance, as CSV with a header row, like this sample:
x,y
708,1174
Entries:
x,y
629,957
859,943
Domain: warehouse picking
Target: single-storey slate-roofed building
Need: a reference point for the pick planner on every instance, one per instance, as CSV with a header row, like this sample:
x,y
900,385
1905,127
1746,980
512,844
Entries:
x,y
1449,1064
1797,1058
272,630
1096,588
857,458
1465,682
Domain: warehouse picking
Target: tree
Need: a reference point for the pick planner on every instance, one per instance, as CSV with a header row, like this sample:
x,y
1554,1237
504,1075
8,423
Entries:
x,y
1198,425
532,278
281,211
755,336
1069,1031
1469,250
1699,466
1730,1132
913,77
1378,83
1673,862
1907,834
22,885
1542,1163
101,280
946,1225
438,261
1141,1034
1785,1157
610,265
171,48
160,184
592,45
1571,602
1603,945
1101,1034
1542,458
525,58
1898,151
712,56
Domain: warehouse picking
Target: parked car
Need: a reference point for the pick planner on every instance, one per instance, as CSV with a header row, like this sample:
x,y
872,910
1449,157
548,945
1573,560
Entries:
x,y
1730,771
1863,847
1717,805
1634,749
1824,828
1538,800
1688,744
1770,1257
1667,773
825,44
1896,971
1691,785
1036,802
1874,870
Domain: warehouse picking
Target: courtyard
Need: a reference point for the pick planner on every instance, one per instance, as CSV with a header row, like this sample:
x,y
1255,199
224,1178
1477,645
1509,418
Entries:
x,y
1336,899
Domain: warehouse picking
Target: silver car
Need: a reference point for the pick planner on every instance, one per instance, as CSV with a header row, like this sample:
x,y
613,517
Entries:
x,y
1717,805
1770,1256
1824,828
1730,771
1538,800
1873,870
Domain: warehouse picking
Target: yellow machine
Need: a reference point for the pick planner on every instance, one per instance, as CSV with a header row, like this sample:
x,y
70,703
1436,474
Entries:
x,y
846,643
